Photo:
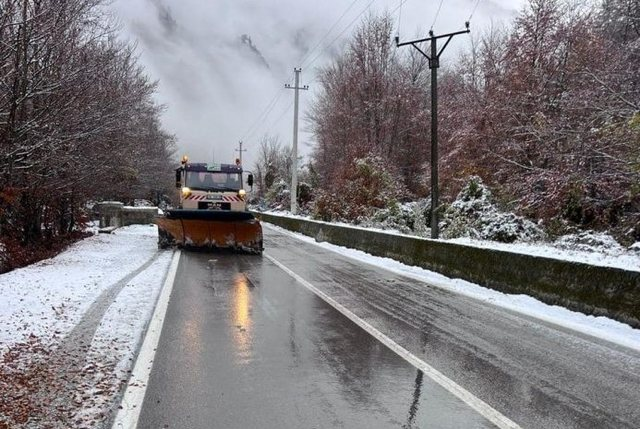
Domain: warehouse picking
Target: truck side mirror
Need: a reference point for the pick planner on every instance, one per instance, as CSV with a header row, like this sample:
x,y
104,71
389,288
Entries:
x,y
250,180
178,179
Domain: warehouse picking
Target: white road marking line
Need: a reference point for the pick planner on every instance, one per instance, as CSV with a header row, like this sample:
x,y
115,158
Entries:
x,y
484,409
131,404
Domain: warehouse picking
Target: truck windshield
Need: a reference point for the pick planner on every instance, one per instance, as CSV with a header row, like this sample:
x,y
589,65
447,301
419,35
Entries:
x,y
216,181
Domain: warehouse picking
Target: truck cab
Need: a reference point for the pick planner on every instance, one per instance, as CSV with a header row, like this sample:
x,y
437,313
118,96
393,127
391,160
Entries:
x,y
205,186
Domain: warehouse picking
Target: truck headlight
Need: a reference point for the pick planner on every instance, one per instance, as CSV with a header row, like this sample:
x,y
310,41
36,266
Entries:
x,y
186,191
242,193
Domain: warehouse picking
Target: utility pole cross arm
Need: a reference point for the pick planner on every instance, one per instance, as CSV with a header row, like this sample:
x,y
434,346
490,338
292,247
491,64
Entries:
x,y
433,37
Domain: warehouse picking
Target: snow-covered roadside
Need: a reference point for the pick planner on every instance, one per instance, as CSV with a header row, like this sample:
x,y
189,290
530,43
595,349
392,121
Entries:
x,y
100,294
626,260
51,296
599,327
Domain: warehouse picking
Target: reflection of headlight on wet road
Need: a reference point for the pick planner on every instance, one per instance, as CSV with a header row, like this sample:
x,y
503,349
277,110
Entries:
x,y
241,307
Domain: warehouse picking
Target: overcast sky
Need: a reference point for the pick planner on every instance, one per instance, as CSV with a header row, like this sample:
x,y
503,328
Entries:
x,y
220,63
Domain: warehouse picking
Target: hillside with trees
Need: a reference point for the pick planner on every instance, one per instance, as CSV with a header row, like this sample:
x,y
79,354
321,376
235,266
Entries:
x,y
78,123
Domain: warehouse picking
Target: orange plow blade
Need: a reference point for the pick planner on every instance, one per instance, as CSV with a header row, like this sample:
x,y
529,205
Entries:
x,y
210,229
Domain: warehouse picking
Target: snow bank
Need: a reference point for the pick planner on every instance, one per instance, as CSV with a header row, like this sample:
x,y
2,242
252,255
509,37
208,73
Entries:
x,y
590,241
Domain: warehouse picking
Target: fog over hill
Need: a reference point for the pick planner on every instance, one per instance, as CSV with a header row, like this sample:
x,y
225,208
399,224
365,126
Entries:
x,y
220,63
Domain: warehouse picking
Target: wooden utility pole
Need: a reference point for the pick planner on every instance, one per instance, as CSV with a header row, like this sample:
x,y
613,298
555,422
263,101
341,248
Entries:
x,y
434,64
294,171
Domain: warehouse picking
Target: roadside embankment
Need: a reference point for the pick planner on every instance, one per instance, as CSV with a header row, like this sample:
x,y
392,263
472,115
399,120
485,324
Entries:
x,y
597,290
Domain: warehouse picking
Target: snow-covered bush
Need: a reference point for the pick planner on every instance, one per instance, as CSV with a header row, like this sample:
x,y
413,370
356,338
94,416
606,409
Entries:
x,y
408,218
278,196
474,215
142,203
590,241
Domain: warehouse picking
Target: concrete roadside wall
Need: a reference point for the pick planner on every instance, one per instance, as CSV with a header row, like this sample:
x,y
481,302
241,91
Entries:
x,y
138,215
600,291
116,214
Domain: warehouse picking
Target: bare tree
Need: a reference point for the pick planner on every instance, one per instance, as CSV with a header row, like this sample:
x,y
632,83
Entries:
x,y
77,118
371,102
274,164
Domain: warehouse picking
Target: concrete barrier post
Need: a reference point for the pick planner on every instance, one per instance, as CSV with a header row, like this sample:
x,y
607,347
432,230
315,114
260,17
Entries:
x,y
110,213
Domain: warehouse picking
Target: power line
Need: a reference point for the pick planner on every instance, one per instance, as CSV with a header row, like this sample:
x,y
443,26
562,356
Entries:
x,y
264,114
284,112
261,119
277,120
341,33
399,18
402,2
399,8
437,13
474,10
308,54
267,111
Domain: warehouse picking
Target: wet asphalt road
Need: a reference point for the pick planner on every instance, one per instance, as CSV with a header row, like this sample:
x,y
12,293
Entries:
x,y
246,346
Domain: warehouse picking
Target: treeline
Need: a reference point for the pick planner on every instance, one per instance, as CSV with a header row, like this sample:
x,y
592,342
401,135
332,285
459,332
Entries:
x,y
78,121
546,112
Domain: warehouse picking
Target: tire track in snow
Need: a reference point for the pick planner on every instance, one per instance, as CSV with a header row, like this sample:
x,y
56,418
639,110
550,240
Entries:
x,y
85,329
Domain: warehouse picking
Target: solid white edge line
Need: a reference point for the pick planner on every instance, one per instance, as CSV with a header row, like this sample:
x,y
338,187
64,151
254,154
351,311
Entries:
x,y
477,404
131,404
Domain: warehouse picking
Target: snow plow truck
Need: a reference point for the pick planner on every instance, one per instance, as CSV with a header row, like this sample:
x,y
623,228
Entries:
x,y
212,212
